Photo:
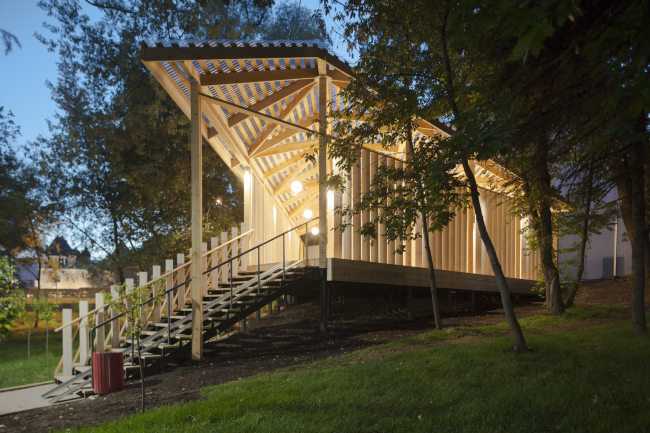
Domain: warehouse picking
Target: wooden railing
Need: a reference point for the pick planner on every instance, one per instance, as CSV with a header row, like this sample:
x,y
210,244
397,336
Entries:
x,y
111,336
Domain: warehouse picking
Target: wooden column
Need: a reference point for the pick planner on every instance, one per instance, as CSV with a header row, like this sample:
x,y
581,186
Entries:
x,y
365,187
331,235
67,342
197,220
324,96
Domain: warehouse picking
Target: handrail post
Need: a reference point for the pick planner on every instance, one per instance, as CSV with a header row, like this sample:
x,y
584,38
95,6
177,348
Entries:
x,y
258,270
283,261
169,318
306,245
92,341
230,285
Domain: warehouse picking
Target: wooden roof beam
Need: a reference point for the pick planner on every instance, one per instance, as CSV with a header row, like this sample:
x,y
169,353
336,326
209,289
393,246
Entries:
x,y
309,200
264,76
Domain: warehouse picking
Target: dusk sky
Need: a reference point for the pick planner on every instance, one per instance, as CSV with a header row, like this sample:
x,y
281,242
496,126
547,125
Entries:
x,y
24,71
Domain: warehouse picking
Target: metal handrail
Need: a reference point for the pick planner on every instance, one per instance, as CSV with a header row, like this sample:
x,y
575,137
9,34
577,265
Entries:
x,y
229,261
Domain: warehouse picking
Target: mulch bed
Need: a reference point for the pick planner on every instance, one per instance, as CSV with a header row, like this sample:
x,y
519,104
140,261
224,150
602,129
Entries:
x,y
279,341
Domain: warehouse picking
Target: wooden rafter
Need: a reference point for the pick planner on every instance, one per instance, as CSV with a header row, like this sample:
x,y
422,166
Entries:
x,y
259,147
293,147
278,96
296,210
285,185
283,165
255,113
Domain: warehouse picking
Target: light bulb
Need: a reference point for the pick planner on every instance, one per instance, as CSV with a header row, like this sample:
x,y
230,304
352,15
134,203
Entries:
x,y
296,186
314,231
308,214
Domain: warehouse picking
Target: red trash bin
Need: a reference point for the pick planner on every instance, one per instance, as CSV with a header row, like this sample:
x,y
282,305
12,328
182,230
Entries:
x,y
108,372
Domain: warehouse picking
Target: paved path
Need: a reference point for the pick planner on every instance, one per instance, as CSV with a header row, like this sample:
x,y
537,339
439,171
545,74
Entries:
x,y
19,400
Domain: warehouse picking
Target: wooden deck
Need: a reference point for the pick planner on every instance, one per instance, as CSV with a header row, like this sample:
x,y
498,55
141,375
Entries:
x,y
356,271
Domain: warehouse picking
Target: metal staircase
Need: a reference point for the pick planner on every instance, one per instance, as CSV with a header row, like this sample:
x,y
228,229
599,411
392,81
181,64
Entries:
x,y
225,303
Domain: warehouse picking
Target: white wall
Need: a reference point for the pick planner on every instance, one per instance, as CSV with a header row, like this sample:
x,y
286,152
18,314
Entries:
x,y
70,279
601,246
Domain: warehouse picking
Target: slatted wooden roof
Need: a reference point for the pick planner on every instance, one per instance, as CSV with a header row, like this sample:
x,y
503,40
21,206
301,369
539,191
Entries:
x,y
259,105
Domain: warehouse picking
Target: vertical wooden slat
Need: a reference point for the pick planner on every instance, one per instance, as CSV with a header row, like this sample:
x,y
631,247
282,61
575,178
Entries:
x,y
390,253
356,218
337,235
470,240
347,203
445,249
417,262
382,245
365,216
214,261
517,224
196,175
462,244
67,342
374,248
83,333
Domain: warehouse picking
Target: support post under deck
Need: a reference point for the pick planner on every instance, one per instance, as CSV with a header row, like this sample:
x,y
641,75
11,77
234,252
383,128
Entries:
x,y
197,221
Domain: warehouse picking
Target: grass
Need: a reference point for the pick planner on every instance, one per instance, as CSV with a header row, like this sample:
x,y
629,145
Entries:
x,y
590,379
15,370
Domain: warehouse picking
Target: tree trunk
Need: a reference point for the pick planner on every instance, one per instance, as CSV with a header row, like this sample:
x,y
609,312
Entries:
x,y
583,240
639,237
29,337
141,372
47,342
520,342
544,229
432,275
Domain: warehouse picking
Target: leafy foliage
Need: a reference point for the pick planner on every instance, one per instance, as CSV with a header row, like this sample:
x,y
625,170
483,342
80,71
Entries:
x,y
12,301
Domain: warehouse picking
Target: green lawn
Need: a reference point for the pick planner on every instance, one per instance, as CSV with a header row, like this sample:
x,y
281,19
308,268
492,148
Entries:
x,y
15,370
593,379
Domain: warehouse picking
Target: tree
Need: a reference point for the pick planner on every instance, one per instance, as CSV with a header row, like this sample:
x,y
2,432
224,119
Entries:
x,y
8,40
12,301
119,157
292,21
137,315
447,63
46,311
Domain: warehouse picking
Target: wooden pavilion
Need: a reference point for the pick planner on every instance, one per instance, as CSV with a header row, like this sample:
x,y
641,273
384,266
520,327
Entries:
x,y
261,105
